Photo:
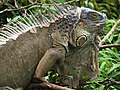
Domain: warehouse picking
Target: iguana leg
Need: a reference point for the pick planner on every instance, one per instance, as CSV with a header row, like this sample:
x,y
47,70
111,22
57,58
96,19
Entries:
x,y
47,61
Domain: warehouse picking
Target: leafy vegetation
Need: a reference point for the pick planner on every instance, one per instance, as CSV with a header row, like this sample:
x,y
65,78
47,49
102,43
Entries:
x,y
109,58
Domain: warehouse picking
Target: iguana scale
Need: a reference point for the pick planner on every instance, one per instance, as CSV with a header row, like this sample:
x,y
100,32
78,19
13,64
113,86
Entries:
x,y
29,47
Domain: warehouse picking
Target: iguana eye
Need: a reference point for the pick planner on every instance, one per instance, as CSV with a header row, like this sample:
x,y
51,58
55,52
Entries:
x,y
93,16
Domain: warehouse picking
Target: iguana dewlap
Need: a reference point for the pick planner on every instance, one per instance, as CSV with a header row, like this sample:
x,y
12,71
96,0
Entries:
x,y
30,47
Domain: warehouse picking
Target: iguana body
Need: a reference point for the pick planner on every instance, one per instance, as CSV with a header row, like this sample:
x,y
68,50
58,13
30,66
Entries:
x,y
20,57
67,40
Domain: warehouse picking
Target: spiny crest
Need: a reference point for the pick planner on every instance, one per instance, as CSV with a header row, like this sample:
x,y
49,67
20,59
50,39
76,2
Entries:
x,y
30,22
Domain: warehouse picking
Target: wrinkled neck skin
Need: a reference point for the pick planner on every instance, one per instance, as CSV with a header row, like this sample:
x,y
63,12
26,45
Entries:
x,y
81,60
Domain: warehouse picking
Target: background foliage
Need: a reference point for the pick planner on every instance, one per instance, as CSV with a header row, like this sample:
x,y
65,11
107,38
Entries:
x,y
109,58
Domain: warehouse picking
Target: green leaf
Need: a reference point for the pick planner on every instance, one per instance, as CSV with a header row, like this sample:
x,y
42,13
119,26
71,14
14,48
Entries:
x,y
102,87
52,8
113,68
114,74
117,56
34,6
102,66
46,77
43,1
110,39
111,21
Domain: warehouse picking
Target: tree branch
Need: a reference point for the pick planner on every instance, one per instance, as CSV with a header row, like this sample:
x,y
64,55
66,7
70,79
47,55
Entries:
x,y
8,10
36,3
47,86
109,33
108,81
109,46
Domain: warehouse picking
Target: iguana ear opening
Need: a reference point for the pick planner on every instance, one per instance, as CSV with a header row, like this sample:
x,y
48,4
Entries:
x,y
81,40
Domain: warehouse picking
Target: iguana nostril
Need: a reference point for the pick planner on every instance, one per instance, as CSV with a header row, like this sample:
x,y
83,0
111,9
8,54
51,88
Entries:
x,y
81,40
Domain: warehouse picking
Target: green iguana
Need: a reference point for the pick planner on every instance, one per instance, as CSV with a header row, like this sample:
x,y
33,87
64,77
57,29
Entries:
x,y
32,45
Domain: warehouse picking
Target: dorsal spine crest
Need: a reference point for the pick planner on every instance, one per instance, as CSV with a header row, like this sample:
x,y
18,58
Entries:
x,y
31,22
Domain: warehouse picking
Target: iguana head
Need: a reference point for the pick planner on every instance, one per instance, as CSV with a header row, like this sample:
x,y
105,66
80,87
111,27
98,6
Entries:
x,y
89,22
93,18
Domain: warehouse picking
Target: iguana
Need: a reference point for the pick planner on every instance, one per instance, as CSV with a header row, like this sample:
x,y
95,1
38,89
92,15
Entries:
x,y
32,45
